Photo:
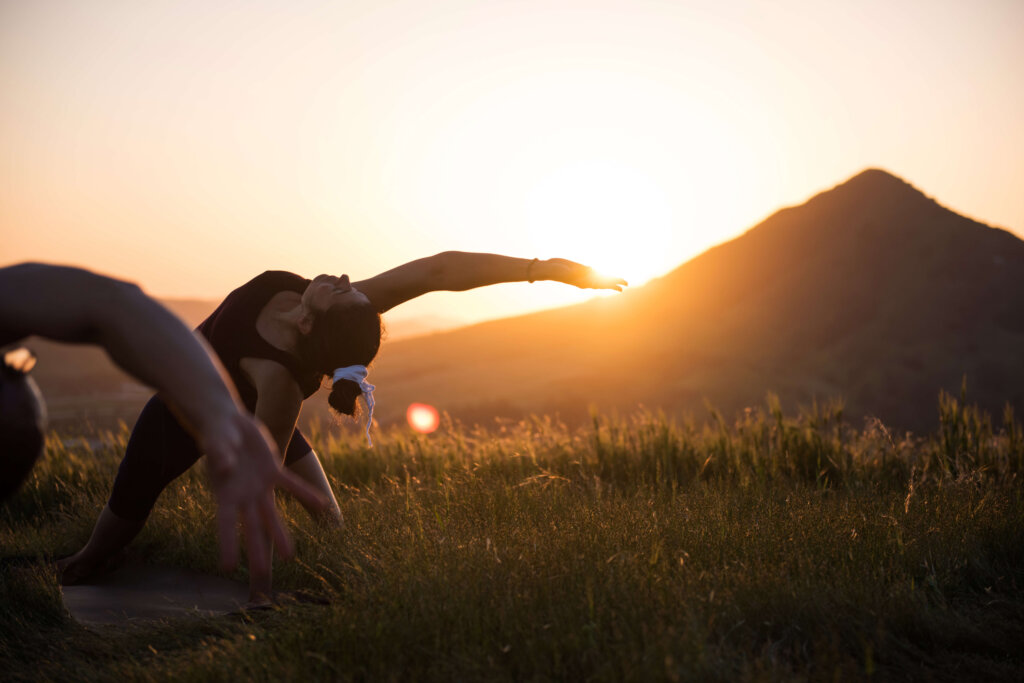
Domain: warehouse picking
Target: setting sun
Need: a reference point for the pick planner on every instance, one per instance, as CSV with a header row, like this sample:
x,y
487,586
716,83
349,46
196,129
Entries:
x,y
607,215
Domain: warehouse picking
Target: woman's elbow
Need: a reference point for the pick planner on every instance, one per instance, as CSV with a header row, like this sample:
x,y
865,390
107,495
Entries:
x,y
116,303
118,295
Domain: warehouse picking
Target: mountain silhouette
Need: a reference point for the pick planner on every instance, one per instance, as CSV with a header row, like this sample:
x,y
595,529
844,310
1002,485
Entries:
x,y
870,291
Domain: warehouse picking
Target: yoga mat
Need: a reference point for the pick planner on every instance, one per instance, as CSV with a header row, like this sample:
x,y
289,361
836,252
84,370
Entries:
x,y
143,592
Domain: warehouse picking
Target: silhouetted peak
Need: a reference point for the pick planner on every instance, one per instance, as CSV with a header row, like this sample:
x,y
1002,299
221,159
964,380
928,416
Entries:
x,y
874,184
876,176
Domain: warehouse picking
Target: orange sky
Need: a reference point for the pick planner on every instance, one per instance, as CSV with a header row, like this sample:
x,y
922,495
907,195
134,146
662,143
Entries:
x,y
191,145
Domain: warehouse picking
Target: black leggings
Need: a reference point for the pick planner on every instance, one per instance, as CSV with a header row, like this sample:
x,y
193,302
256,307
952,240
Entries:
x,y
159,451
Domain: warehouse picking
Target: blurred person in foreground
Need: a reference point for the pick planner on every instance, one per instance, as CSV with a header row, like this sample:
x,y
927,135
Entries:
x,y
279,336
72,305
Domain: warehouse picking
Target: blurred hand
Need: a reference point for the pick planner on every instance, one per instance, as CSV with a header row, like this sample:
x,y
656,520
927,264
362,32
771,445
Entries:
x,y
578,275
244,468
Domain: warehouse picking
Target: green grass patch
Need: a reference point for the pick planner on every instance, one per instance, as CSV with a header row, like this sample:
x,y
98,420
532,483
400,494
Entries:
x,y
638,548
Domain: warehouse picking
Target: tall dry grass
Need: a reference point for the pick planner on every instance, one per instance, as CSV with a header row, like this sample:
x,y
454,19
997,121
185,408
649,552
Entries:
x,y
641,547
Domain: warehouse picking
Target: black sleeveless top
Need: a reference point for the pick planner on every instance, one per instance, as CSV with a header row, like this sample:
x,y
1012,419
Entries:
x,y
231,331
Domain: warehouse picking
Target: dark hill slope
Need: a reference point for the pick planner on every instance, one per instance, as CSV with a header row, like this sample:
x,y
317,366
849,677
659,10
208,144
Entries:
x,y
870,291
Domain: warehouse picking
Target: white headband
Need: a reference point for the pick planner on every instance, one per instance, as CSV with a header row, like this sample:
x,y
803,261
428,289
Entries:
x,y
357,374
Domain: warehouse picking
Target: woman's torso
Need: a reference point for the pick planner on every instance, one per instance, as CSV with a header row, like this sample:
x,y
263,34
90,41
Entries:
x,y
232,332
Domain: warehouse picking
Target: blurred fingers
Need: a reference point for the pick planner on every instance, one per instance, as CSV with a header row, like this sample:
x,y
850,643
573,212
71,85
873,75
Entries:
x,y
226,522
275,527
259,559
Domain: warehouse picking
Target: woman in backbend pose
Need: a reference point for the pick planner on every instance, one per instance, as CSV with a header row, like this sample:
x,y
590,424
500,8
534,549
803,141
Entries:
x,y
278,336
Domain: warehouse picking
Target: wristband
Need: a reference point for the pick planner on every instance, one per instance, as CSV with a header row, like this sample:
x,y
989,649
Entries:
x,y
529,270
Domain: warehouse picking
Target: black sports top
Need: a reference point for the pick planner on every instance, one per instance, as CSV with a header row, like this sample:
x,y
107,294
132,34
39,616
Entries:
x,y
231,331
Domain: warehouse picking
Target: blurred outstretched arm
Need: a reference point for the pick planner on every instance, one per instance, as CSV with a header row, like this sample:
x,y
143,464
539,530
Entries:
x,y
458,271
147,341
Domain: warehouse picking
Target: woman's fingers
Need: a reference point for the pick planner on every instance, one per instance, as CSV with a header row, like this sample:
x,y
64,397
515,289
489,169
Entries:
x,y
595,280
599,281
246,492
273,525
585,277
259,559
227,522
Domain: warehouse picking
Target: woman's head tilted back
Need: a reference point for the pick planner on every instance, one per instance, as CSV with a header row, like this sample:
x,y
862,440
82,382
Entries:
x,y
343,335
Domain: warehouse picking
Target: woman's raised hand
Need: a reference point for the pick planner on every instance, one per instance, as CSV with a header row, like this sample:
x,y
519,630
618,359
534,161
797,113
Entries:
x,y
576,274
244,468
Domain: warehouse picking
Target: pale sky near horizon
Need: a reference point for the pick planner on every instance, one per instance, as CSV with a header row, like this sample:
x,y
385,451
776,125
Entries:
x,y
190,145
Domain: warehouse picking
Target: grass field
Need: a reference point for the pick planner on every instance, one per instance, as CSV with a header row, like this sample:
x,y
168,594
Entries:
x,y
638,548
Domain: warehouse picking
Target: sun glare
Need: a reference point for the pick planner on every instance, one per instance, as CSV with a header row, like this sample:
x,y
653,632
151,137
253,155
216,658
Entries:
x,y
423,418
605,214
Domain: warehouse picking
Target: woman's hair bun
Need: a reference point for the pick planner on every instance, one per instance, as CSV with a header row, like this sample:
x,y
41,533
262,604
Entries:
x,y
343,396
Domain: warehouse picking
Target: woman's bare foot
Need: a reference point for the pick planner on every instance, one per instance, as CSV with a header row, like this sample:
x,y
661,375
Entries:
x,y
110,535
75,569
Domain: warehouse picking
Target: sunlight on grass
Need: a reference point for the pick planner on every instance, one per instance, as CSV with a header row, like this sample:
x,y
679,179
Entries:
x,y
636,548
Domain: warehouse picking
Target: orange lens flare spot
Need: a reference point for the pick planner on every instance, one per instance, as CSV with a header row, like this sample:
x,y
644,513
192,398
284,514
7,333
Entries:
x,y
423,418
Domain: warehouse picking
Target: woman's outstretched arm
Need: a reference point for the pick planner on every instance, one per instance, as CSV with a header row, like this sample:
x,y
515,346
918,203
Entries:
x,y
458,271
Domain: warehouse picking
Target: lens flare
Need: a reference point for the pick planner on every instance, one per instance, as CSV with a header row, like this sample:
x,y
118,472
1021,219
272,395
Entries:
x,y
423,418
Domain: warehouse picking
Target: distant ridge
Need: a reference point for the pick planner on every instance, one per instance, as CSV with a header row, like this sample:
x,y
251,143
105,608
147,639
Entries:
x,y
871,291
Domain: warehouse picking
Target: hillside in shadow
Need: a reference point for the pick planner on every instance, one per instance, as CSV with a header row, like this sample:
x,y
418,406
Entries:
x,y
870,291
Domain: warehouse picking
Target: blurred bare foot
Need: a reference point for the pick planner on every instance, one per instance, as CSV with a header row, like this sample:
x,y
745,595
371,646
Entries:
x,y
75,569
